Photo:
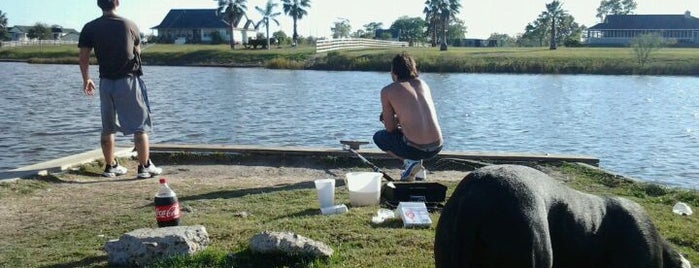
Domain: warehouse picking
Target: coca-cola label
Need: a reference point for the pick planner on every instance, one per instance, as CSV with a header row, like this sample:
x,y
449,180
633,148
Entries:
x,y
168,212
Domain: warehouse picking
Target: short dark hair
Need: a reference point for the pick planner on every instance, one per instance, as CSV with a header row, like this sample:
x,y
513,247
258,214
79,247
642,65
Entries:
x,y
404,67
106,5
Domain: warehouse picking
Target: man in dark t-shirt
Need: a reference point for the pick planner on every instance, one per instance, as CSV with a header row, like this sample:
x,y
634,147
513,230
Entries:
x,y
123,99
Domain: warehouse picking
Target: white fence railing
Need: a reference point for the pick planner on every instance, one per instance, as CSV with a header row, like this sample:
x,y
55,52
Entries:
x,y
325,45
36,43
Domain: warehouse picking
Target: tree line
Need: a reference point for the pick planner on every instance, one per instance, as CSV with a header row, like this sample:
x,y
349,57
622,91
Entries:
x,y
440,25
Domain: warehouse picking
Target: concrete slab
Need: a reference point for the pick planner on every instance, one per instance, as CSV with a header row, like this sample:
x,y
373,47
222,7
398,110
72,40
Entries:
x,y
490,157
60,164
65,163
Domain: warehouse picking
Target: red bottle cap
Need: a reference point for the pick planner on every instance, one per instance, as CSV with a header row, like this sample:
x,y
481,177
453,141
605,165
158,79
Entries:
x,y
162,180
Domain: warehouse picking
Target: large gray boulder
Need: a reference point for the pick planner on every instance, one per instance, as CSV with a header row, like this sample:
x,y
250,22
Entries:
x,y
288,244
142,246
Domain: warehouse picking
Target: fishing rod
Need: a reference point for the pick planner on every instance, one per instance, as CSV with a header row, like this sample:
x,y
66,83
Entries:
x,y
347,145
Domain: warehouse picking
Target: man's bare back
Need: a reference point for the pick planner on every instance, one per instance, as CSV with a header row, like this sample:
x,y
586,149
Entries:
x,y
411,103
411,132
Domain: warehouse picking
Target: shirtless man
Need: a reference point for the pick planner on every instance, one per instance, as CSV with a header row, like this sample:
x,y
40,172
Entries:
x,y
412,132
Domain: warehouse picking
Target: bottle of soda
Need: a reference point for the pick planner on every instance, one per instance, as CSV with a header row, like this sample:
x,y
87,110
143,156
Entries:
x,y
167,209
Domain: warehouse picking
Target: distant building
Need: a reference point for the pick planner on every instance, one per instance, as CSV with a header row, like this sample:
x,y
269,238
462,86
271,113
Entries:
x,y
619,30
19,33
64,34
200,26
474,42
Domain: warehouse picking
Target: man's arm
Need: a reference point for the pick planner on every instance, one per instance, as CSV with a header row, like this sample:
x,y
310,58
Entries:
x,y
387,112
88,84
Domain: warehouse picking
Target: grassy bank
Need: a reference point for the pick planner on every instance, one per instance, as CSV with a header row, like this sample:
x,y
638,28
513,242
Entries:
x,y
666,61
65,219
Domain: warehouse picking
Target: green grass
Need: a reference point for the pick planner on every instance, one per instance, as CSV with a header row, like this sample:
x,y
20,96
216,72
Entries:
x,y
583,60
668,61
78,239
656,199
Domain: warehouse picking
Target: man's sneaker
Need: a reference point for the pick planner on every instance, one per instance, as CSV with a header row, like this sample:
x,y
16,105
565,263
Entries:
x,y
149,170
412,168
422,175
114,170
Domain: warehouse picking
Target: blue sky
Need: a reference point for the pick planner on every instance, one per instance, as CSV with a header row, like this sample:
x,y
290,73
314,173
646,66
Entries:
x,y
481,17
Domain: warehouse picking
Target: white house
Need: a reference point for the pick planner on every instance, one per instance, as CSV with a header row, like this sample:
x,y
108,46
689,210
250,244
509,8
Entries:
x,y
200,26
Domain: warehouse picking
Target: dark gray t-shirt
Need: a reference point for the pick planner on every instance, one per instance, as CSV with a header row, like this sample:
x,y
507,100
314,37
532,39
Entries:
x,y
113,39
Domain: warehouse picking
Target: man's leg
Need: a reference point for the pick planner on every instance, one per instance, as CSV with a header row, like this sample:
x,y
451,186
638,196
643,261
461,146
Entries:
x,y
393,144
142,147
107,144
111,166
394,155
146,168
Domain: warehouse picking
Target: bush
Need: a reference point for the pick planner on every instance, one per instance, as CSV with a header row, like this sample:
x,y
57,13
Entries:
x,y
645,44
216,38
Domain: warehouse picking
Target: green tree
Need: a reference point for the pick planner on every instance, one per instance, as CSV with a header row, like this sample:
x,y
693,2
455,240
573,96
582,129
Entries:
x,y
457,30
503,40
267,15
295,9
3,25
553,14
370,29
359,34
385,36
447,11
410,29
216,38
644,45
40,31
537,33
615,7
281,37
341,28
232,12
432,18
570,32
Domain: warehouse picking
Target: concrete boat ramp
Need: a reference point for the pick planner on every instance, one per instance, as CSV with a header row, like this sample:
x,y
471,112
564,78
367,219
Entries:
x,y
474,159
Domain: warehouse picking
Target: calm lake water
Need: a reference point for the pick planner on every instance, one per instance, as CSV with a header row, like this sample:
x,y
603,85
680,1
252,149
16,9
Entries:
x,y
645,127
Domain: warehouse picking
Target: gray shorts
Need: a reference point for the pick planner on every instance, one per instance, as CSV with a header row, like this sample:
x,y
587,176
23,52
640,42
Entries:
x,y
124,99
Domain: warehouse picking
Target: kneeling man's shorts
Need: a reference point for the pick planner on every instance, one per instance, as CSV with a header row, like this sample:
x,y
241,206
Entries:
x,y
399,145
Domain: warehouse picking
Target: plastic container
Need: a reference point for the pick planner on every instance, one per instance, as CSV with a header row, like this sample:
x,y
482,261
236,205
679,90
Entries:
x,y
414,214
339,209
682,209
364,188
326,192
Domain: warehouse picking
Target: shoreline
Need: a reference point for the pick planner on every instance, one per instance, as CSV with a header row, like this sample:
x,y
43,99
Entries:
x,y
280,154
505,60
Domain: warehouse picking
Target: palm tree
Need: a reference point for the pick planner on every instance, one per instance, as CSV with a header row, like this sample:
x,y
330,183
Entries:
x,y
232,11
268,14
554,12
294,8
447,10
432,18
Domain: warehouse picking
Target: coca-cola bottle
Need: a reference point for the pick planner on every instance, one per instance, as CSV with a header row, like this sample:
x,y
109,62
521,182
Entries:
x,y
167,209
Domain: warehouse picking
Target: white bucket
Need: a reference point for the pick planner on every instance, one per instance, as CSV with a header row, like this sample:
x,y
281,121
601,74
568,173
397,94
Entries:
x,y
364,188
326,192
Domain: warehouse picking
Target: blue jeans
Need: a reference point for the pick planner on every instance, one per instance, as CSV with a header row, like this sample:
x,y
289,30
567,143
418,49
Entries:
x,y
397,144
